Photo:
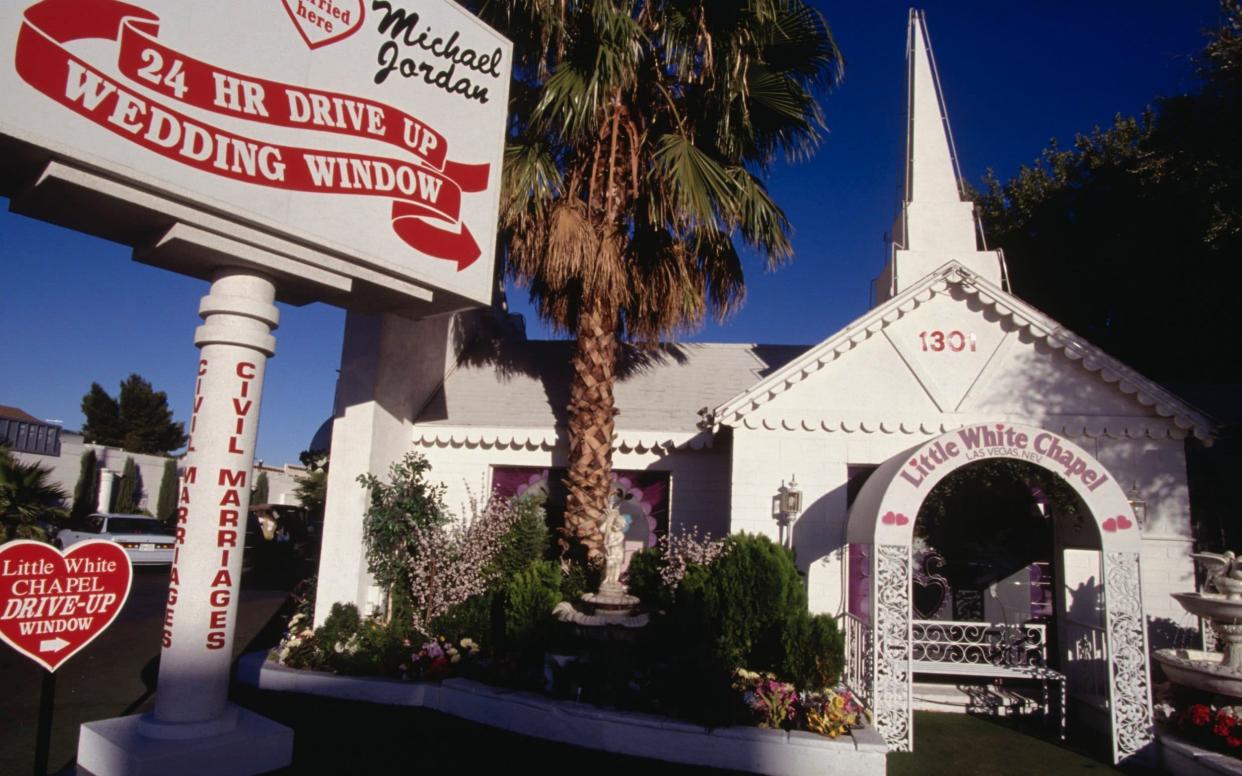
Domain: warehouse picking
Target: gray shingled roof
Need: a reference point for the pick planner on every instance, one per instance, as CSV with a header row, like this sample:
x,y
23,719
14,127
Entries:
x,y
524,384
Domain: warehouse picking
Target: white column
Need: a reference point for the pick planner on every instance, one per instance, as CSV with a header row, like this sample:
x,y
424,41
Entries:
x,y
104,501
235,342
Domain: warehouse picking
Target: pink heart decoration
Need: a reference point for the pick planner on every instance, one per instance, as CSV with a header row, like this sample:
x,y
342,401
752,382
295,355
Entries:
x,y
1110,525
1123,522
894,518
53,603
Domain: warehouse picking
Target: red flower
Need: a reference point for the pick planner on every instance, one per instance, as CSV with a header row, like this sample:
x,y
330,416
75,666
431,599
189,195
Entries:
x,y
1220,729
1200,715
1233,741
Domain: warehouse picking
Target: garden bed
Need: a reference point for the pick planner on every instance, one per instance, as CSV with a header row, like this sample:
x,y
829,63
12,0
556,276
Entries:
x,y
759,750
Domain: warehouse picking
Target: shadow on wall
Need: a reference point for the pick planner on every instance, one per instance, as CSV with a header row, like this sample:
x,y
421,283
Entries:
x,y
821,528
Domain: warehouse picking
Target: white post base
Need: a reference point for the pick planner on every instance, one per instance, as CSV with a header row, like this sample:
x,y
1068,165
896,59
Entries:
x,y
115,747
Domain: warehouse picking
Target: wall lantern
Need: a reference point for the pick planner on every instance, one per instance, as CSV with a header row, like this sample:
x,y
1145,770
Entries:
x,y
791,497
786,507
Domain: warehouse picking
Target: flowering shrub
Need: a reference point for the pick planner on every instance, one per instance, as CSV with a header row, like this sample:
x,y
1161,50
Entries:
x,y
776,704
1219,728
452,563
682,550
655,573
438,659
297,648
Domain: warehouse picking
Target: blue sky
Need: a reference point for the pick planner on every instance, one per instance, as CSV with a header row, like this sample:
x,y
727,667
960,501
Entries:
x,y
1015,74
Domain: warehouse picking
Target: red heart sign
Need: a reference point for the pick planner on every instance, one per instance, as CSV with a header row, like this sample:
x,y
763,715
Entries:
x,y
321,22
54,603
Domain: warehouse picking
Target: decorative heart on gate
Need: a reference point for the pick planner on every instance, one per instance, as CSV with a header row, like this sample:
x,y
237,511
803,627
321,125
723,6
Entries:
x,y
894,518
321,22
1118,523
53,603
928,597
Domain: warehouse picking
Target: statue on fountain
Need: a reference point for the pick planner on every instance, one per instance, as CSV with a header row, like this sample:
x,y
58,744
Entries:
x,y
614,548
1224,573
611,605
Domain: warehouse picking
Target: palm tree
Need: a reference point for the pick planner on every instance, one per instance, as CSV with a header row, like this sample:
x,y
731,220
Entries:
x,y
639,132
27,496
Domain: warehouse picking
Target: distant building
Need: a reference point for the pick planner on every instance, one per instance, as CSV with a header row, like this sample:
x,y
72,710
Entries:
x,y
24,433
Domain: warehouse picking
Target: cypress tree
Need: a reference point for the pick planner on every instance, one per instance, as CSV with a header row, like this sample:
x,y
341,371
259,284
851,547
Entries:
x,y
130,492
259,494
86,492
166,506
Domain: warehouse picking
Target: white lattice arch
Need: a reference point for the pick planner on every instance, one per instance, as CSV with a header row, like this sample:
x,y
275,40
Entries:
x,y
881,528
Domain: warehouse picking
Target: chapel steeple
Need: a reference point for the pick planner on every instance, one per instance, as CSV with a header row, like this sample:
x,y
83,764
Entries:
x,y
936,223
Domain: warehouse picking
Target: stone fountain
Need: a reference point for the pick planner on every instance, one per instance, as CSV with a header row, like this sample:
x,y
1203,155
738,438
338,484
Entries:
x,y
1221,604
599,614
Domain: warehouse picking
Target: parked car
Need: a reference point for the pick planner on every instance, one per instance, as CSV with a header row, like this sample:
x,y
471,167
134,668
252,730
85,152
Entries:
x,y
146,541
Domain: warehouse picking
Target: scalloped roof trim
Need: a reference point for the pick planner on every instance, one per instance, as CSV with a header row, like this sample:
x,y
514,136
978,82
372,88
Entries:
x,y
626,441
1108,427
1024,317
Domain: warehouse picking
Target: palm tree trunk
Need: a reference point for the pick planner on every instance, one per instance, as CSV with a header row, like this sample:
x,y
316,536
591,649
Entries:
x,y
592,409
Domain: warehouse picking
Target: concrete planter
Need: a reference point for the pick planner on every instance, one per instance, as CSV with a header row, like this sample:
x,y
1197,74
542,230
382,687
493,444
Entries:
x,y
1182,758
759,750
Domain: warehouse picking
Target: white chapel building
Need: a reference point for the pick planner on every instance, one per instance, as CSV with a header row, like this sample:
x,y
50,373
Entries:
x,y
708,434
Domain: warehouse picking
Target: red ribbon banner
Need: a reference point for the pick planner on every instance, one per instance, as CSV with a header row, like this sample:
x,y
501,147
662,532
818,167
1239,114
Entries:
x,y
426,194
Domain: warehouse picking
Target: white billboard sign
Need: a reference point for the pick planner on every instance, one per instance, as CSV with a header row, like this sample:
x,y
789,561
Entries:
x,y
372,131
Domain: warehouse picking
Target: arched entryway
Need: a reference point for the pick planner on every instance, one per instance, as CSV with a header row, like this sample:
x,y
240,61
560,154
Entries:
x,y
880,535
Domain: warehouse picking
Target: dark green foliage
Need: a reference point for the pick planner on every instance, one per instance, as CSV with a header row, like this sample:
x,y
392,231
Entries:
x,y
527,604
645,582
27,495
312,492
527,541
813,650
984,518
166,504
406,502
259,494
139,420
348,644
86,492
1139,218
734,611
472,618
577,580
129,494
342,622
103,417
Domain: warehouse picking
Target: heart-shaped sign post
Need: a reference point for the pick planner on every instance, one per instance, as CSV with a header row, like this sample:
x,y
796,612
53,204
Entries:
x,y
53,603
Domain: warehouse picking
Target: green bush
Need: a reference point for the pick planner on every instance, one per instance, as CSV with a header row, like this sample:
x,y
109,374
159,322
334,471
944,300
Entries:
x,y
734,612
472,618
814,649
528,601
348,644
527,539
644,580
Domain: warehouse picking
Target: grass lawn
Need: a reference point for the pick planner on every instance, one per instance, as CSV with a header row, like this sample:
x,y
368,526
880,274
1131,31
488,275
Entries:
x,y
963,745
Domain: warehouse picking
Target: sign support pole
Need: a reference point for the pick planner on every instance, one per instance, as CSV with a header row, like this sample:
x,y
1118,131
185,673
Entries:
x,y
43,738
194,729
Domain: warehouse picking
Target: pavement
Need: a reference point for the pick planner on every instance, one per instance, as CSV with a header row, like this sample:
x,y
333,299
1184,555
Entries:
x,y
115,674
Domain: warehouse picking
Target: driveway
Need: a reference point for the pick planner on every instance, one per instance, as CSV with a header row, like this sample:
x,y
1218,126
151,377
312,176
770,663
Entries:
x,y
115,675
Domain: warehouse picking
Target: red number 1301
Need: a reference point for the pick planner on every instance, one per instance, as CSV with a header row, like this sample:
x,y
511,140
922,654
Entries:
x,y
953,341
